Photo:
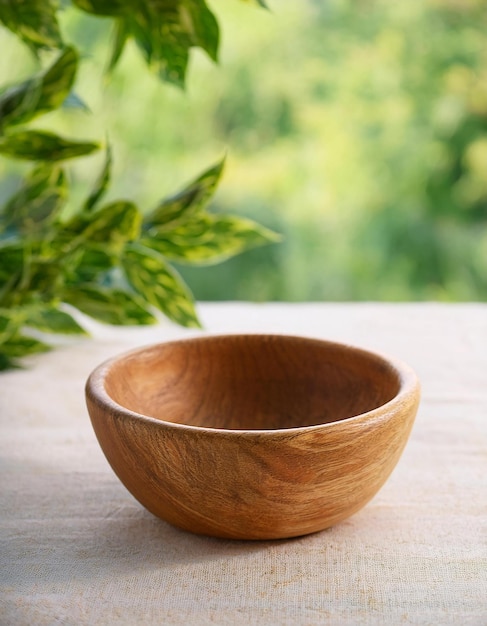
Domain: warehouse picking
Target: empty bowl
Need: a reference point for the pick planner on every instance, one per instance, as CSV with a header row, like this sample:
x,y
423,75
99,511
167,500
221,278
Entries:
x,y
252,436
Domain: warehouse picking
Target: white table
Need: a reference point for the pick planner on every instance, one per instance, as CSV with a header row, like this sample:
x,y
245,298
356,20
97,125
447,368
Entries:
x,y
76,548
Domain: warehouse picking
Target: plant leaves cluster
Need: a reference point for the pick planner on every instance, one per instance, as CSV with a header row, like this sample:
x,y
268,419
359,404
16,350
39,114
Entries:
x,y
34,21
109,260
25,101
164,31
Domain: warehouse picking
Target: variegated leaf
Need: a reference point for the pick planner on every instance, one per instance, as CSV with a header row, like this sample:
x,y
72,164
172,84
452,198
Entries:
x,y
20,346
159,284
51,319
210,239
36,145
112,225
164,30
12,261
57,81
112,306
94,260
184,205
120,36
33,20
101,184
10,321
38,201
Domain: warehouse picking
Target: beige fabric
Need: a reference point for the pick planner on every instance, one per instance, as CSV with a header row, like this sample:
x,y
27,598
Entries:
x,y
76,548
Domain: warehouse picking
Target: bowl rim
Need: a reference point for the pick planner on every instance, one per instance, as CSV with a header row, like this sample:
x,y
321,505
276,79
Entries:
x,y
409,386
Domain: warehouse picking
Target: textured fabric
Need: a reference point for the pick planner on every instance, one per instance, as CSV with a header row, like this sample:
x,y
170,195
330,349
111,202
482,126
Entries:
x,y
76,548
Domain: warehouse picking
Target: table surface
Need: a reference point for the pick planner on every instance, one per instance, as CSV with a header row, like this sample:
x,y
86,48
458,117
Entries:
x,y
76,548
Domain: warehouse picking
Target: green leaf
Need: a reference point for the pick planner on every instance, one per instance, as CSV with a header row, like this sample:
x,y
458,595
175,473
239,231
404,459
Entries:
x,y
112,306
120,38
33,20
201,25
210,239
188,202
10,321
6,363
51,319
12,263
47,91
12,343
40,277
11,254
58,80
159,284
112,225
164,31
94,261
101,184
35,145
19,345
38,201
162,41
18,102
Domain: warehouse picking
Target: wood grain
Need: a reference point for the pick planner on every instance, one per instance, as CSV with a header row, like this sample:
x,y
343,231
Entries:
x,y
252,436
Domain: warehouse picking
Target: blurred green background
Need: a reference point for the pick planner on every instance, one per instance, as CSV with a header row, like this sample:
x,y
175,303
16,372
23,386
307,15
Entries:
x,y
356,128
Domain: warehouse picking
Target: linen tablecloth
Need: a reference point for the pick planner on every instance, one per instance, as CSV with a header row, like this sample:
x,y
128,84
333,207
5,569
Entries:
x,y
76,548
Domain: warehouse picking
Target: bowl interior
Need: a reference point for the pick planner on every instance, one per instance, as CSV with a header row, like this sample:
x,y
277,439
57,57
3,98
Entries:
x,y
251,382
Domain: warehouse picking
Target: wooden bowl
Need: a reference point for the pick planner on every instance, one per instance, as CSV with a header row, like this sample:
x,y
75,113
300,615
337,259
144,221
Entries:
x,y
252,436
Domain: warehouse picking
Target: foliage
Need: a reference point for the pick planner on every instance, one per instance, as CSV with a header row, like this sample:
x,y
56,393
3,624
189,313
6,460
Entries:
x,y
35,21
108,259
360,131
163,31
